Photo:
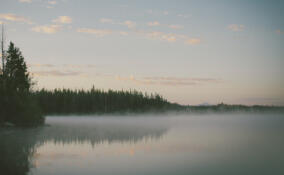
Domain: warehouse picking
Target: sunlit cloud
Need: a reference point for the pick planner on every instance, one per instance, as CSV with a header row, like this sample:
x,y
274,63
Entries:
x,y
52,2
123,33
168,81
106,20
170,37
48,29
129,24
96,32
15,18
193,41
236,27
175,26
25,1
63,20
183,16
279,31
154,23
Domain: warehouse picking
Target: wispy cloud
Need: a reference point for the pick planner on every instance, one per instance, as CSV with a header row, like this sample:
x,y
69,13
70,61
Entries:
x,y
16,18
56,73
183,15
236,27
169,81
96,32
25,1
63,20
170,37
48,29
41,65
123,33
193,41
106,20
154,23
52,2
165,12
278,31
129,24
175,26
158,35
67,66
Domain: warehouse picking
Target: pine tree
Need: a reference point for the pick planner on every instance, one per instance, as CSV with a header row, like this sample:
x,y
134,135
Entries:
x,y
16,72
17,104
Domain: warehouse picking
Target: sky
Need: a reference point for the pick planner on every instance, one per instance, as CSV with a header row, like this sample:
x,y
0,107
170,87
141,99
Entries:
x,y
190,52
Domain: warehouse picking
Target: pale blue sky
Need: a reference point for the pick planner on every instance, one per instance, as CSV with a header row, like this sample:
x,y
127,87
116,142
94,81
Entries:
x,y
190,52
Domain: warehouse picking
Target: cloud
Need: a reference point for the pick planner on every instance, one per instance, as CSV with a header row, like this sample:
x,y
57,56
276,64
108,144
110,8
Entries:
x,y
129,24
25,1
236,27
60,66
183,16
16,18
155,23
123,33
52,2
63,20
97,32
169,81
170,37
106,20
165,12
175,26
48,29
41,65
193,41
278,31
56,73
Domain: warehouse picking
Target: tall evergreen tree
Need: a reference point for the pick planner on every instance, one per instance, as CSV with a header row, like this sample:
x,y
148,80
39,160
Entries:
x,y
17,76
17,103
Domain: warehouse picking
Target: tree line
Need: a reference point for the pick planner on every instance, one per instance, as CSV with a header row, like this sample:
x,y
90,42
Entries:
x,y
67,101
20,105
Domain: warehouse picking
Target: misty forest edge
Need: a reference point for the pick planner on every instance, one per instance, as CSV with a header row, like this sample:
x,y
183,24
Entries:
x,y
21,105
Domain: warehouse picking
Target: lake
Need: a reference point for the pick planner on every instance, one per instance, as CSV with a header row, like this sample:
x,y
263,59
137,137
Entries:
x,y
143,145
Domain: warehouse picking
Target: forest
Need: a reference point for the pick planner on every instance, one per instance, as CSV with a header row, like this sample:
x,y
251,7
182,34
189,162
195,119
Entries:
x,y
67,101
20,105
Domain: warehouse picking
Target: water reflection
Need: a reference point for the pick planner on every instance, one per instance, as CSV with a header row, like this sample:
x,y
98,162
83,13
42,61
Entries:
x,y
199,145
18,146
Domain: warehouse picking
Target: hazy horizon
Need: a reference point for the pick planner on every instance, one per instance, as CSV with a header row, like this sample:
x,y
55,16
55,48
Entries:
x,y
190,52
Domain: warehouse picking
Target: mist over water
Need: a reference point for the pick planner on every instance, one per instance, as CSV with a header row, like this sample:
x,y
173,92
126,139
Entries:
x,y
169,144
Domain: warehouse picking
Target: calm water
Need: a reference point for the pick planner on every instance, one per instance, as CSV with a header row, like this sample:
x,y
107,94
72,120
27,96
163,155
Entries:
x,y
193,144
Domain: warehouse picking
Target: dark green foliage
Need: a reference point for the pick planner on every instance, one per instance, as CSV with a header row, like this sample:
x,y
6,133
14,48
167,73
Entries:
x,y
16,102
68,101
17,76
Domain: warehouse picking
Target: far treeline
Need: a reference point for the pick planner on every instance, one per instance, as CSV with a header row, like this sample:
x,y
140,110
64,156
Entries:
x,y
20,105
66,101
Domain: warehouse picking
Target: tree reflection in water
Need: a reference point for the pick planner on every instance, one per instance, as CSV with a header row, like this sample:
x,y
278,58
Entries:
x,y
18,145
